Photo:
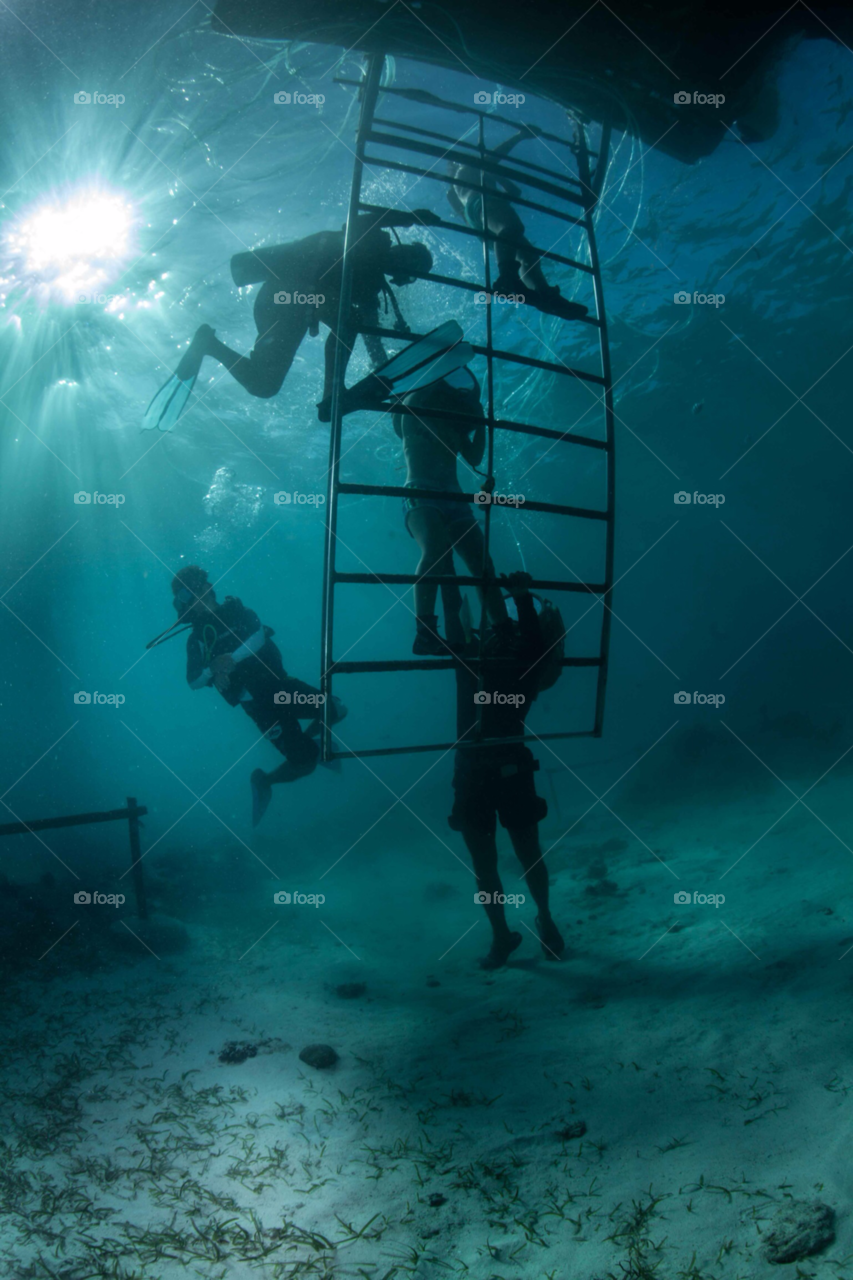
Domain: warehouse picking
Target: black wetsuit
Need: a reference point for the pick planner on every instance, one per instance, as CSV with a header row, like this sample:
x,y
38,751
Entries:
x,y
259,683
497,781
309,268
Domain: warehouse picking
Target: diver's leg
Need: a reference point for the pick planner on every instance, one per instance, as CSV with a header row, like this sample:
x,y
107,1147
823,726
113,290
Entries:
x,y
281,327
525,841
428,527
451,601
484,856
470,547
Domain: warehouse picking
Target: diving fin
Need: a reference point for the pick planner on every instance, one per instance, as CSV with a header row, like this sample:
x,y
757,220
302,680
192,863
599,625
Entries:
x,y
261,795
168,404
434,356
171,400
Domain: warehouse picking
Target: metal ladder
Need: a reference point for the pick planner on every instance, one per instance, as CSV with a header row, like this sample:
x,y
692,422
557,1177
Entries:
x,y
417,145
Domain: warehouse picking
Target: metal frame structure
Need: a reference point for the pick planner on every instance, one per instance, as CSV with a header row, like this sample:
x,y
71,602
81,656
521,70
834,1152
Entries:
x,y
583,192
132,813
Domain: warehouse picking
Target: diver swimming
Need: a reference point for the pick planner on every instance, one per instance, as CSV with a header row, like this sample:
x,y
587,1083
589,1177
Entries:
x,y
300,287
229,648
495,780
441,526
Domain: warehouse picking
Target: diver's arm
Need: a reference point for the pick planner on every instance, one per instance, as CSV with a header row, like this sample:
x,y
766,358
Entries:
x,y
198,677
505,147
530,629
474,449
250,647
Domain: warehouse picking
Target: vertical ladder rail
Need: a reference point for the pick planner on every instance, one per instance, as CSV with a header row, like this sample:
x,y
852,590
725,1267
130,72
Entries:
x,y
490,430
370,93
594,186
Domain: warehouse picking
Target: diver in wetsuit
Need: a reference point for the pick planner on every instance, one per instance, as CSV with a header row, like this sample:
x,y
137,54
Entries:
x,y
232,650
493,782
441,526
310,269
518,262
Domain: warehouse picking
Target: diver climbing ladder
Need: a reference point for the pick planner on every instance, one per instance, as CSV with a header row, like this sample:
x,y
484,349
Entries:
x,y
577,197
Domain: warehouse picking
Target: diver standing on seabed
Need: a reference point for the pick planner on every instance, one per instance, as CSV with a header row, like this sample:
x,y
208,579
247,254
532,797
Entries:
x,y
495,780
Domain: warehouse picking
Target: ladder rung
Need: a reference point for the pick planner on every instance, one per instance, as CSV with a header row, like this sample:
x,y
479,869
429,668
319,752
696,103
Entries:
x,y
430,664
461,142
448,746
470,287
379,332
449,579
398,166
451,495
547,365
432,100
483,164
465,230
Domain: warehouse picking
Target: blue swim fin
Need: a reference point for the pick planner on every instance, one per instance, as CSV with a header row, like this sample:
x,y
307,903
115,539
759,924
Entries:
x,y
168,404
434,356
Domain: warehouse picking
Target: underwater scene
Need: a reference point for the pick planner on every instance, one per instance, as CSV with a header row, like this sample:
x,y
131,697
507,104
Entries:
x,y
426,765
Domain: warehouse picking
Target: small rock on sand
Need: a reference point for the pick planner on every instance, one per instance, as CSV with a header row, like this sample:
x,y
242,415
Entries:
x,y
799,1230
350,990
320,1056
574,1129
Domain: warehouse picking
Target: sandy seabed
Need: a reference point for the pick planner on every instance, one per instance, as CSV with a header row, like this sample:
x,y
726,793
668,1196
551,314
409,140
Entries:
x,y
643,1109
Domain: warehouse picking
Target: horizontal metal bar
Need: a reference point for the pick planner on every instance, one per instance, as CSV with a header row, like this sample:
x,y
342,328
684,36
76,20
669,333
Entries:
x,y
451,495
431,664
425,98
499,168
398,166
449,746
461,142
74,820
462,227
547,365
450,579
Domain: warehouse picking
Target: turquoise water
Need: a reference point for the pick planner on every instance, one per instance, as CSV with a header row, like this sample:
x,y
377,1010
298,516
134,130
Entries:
x,y
670,1028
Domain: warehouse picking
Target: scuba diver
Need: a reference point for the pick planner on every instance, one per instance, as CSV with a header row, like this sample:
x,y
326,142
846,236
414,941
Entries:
x,y
228,647
518,262
496,781
442,525
300,286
